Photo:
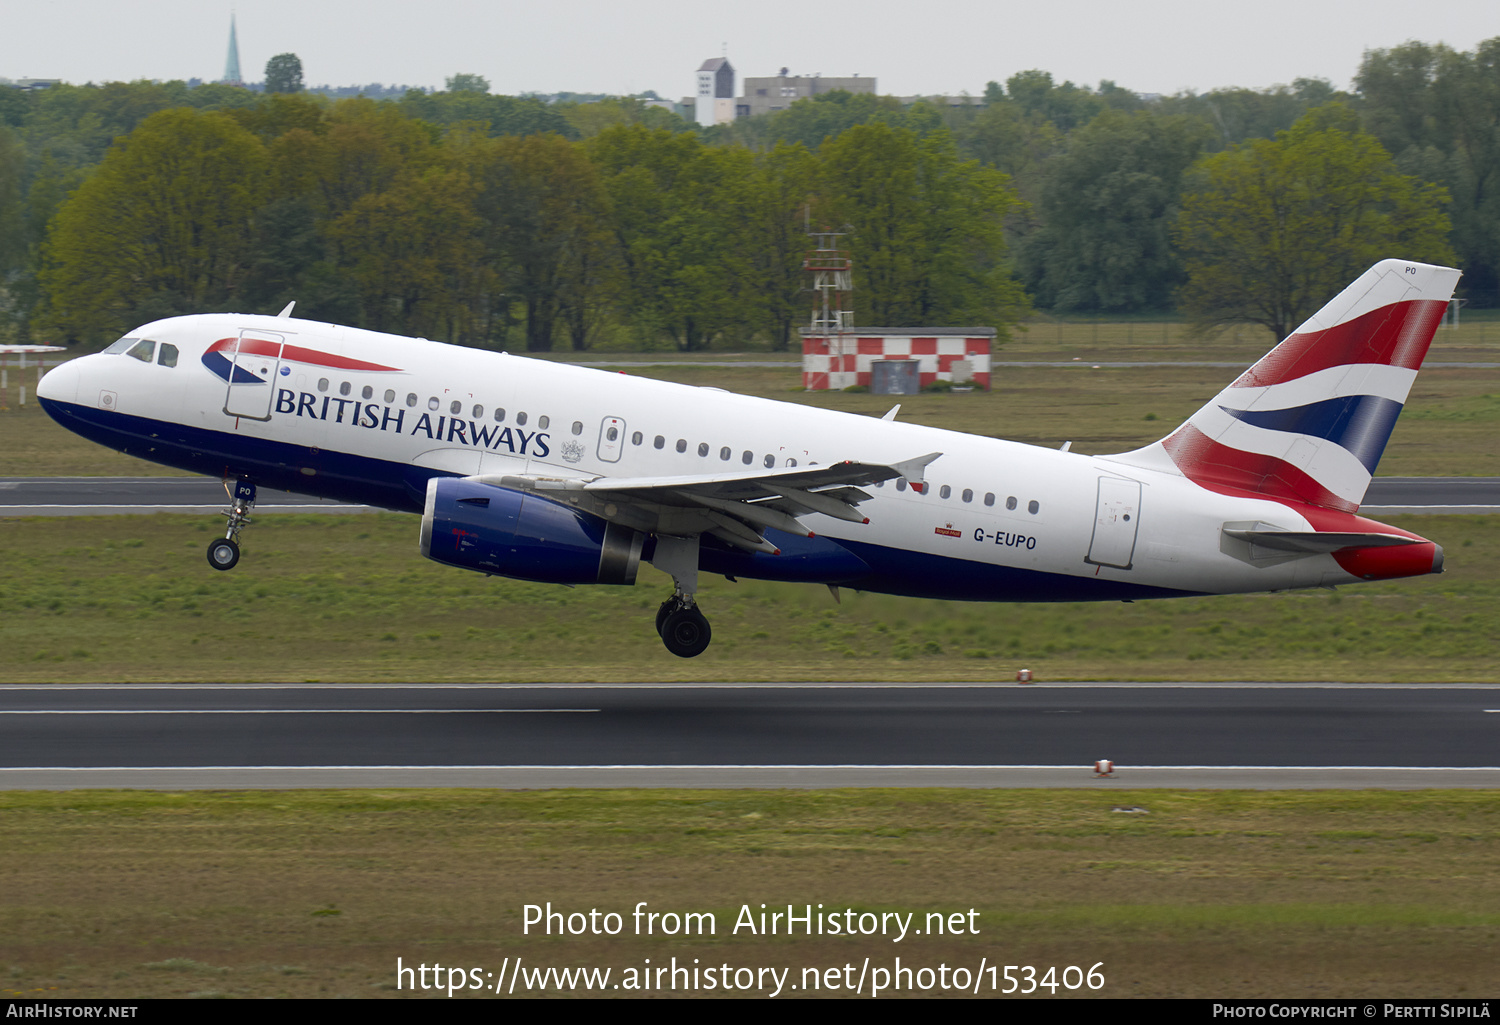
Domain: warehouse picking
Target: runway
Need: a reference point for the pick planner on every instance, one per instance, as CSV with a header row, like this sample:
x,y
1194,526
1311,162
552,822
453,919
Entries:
x,y
1215,736
100,496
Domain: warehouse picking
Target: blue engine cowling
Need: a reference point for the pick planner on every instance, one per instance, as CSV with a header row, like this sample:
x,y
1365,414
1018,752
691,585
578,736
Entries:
x,y
514,534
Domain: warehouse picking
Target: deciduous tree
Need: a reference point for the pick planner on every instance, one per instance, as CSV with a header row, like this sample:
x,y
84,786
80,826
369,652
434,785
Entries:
x,y
161,228
284,73
1271,229
926,229
1107,208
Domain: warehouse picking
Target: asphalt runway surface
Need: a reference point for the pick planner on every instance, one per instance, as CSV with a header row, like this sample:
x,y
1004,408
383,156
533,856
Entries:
x,y
96,496
1242,736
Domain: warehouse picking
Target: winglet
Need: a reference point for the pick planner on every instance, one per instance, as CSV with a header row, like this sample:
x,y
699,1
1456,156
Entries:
x,y
912,469
893,411
286,311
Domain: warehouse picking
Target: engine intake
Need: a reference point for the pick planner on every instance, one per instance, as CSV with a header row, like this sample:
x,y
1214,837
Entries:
x,y
514,534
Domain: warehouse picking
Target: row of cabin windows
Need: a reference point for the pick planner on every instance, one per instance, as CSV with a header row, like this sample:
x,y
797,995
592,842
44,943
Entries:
x,y
747,457
967,495
143,349
543,422
455,407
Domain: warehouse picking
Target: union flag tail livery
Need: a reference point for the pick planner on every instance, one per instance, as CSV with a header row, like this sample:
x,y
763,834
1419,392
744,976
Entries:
x,y
541,471
1308,423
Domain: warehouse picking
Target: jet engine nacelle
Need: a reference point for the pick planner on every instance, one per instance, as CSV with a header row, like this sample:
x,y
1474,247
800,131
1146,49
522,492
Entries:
x,y
514,534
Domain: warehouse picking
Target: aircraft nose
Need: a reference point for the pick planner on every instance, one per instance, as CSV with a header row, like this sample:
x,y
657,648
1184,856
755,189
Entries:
x,y
60,384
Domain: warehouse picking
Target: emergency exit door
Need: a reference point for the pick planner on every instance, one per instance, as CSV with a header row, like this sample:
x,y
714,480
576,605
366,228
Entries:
x,y
1116,520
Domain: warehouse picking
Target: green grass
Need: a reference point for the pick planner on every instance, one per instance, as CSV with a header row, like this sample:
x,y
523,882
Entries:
x,y
128,598
1224,894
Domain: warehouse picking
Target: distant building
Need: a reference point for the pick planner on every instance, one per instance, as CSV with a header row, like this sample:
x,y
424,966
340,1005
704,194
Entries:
x,y
714,104
766,95
35,84
232,63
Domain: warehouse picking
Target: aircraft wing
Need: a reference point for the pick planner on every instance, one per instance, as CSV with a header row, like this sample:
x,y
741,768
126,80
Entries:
x,y
734,507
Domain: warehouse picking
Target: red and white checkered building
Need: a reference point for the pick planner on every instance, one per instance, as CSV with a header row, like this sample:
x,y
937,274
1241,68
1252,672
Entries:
x,y
836,361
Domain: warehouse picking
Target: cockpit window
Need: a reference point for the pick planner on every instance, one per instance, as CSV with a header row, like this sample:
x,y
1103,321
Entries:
x,y
142,350
168,355
120,346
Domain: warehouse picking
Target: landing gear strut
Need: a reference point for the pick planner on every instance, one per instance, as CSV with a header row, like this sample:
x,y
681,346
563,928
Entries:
x,y
224,552
683,629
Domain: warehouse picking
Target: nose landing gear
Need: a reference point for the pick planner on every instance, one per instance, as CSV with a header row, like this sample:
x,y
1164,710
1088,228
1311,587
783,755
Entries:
x,y
224,552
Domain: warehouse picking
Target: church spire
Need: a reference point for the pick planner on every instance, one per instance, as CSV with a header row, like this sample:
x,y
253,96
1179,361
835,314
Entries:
x,y
232,65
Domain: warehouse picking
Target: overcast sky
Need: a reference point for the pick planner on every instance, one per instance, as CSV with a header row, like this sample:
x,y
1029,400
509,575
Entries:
x,y
951,46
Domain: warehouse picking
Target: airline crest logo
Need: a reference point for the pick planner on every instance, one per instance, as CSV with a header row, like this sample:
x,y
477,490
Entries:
x,y
256,359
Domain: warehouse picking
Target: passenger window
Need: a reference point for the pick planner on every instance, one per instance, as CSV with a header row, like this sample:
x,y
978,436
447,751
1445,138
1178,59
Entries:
x,y
682,444
411,398
989,498
455,407
944,491
432,402
791,462
1032,507
612,434
345,388
367,392
724,453
542,422
168,356
477,412
521,419
118,347
635,439
968,495
577,426
1010,503
322,384
660,441
769,461
499,415
747,457
702,448
390,395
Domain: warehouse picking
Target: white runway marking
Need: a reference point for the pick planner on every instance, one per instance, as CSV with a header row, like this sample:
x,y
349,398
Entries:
x,y
292,711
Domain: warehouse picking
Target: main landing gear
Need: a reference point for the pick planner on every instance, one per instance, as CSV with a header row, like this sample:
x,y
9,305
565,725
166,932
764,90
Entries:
x,y
224,552
683,629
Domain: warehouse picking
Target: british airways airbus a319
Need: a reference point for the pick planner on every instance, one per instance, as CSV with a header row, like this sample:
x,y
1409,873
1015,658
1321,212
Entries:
x,y
560,474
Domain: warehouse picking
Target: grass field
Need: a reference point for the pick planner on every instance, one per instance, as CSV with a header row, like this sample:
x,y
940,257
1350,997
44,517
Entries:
x,y
317,894
350,598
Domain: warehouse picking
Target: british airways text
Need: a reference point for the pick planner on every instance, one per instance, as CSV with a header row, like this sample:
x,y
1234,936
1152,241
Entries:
x,y
386,418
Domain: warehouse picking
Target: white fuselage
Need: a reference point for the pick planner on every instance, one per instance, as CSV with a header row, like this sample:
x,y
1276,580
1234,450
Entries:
x,y
352,414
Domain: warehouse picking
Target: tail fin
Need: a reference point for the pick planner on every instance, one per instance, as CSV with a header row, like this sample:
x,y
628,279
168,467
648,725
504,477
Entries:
x,y
1309,422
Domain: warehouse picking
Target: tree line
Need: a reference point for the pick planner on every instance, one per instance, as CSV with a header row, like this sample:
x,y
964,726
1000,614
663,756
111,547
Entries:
x,y
508,221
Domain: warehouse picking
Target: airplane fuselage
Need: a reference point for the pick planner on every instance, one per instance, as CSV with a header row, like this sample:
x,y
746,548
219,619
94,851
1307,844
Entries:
x,y
359,416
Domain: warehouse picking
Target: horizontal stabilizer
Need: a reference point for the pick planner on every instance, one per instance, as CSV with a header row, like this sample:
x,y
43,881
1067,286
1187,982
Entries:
x,y
1317,542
